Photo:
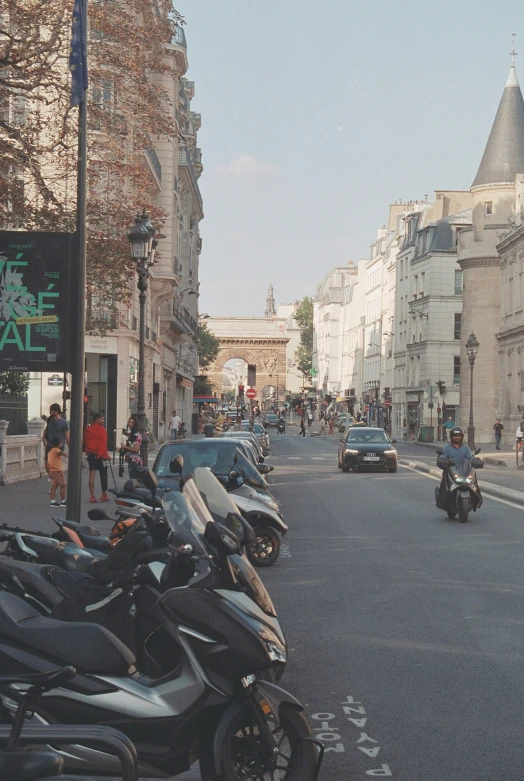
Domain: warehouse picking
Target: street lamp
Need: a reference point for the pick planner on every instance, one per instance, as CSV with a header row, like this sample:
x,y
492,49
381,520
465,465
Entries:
x,y
143,244
472,346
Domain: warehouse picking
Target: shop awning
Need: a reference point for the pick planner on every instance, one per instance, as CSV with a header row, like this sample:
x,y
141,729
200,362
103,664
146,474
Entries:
x,y
205,399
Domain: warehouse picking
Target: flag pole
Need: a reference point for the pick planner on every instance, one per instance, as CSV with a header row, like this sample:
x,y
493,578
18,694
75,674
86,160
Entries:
x,y
78,304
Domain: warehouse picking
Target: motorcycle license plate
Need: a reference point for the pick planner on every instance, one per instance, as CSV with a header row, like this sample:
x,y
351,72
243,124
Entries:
x,y
371,458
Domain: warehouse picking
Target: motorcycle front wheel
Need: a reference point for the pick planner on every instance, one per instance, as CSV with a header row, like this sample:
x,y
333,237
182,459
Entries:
x,y
464,506
246,757
266,548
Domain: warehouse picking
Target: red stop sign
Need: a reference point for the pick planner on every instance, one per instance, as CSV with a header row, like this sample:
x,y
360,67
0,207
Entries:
x,y
366,408
388,403
251,393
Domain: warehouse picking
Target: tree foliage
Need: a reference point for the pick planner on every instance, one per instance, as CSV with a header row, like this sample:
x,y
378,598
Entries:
x,y
208,346
304,351
14,383
202,386
38,129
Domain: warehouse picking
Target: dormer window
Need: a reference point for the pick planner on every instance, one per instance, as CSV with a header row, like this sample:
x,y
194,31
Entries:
x,y
488,208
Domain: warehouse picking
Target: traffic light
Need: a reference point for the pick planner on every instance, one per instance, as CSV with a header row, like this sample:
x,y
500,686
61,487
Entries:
x,y
251,375
441,387
240,391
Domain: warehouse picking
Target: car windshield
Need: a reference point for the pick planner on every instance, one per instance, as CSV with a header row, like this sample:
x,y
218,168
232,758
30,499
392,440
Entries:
x,y
271,417
365,436
216,454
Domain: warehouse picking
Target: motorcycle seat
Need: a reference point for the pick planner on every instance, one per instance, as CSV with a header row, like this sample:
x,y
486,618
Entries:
x,y
27,765
89,647
32,576
83,529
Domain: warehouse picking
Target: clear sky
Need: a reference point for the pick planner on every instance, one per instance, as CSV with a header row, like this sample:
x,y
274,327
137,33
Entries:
x,y
317,115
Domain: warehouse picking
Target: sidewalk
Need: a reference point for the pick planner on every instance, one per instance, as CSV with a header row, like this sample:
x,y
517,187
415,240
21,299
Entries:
x,y
505,457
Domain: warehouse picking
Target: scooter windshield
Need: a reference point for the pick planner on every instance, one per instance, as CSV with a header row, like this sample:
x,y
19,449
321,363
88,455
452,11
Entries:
x,y
187,516
248,472
462,466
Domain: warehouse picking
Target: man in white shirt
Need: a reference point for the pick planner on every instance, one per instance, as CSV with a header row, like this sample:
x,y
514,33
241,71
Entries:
x,y
174,425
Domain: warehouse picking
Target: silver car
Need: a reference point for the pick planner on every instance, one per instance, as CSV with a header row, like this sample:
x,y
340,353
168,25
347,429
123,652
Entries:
x,y
258,430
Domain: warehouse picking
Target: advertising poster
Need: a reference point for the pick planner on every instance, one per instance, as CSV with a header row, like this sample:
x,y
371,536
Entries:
x,y
34,301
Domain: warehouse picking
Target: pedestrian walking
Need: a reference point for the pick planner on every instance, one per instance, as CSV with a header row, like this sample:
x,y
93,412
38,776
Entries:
x,y
131,446
518,436
56,472
323,426
331,429
498,428
448,425
309,418
302,426
95,447
174,424
56,426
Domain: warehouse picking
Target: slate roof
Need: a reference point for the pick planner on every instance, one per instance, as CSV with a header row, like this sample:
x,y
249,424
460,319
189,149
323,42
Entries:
x,y
503,157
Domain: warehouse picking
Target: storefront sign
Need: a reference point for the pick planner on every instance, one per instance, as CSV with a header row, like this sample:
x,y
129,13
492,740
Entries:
x,y
107,345
34,300
412,398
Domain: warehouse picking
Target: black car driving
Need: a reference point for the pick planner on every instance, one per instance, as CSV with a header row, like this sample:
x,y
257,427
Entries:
x,y
367,448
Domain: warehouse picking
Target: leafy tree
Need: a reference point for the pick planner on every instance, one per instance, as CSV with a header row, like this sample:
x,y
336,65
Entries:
x,y
208,346
38,129
14,383
304,352
202,386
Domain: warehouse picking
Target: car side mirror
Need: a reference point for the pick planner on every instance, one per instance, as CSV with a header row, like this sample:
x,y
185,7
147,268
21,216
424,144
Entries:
x,y
98,515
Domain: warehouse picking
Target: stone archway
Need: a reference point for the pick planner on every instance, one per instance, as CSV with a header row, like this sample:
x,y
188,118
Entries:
x,y
269,358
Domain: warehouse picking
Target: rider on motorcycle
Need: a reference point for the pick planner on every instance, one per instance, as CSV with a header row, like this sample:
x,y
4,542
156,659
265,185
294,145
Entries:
x,y
455,449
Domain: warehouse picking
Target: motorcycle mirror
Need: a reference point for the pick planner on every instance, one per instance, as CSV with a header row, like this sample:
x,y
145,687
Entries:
x,y
176,464
249,534
221,538
98,515
261,459
394,441
266,451
264,469
478,450
439,452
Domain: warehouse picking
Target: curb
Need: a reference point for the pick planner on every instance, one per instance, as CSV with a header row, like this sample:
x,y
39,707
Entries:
x,y
489,489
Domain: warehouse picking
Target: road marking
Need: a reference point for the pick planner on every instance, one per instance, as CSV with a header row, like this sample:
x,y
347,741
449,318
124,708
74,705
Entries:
x,y
318,458
485,495
294,458
284,551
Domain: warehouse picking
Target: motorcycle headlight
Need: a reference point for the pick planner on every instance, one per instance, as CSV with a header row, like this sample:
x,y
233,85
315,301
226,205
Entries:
x,y
267,500
463,479
275,653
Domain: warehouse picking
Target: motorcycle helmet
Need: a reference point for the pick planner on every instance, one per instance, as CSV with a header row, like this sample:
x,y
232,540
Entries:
x,y
455,432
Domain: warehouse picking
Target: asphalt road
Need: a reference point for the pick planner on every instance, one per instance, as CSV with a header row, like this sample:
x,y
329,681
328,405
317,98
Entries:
x,y
405,628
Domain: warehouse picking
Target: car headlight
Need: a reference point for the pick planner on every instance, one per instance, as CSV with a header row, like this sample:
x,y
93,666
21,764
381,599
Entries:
x,y
275,653
390,452
352,452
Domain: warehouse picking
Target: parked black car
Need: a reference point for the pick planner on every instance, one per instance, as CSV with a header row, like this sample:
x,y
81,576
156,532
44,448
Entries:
x,y
367,448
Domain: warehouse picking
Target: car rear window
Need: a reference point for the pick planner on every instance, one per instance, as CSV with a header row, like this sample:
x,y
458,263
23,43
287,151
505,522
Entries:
x,y
217,456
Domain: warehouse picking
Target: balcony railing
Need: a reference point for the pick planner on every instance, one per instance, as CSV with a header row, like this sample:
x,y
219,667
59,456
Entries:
x,y
179,37
181,313
155,162
185,160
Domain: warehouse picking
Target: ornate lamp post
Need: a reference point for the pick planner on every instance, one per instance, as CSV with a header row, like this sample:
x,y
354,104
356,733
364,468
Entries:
x,y
143,244
472,346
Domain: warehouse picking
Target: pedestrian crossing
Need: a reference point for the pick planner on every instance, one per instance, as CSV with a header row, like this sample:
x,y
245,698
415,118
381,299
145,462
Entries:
x,y
300,458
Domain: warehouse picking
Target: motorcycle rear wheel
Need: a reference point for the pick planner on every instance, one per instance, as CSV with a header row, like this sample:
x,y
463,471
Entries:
x,y
245,757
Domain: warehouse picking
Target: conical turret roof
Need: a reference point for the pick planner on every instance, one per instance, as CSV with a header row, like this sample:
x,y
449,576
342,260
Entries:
x,y
504,154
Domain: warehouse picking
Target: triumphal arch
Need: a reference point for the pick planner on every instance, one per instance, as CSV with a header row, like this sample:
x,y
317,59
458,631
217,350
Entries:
x,y
260,341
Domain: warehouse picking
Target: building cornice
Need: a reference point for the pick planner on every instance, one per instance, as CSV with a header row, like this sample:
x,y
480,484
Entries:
x,y
518,330
515,234
467,263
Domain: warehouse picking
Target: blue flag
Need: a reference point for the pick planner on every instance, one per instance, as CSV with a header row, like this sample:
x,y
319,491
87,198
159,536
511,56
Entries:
x,y
77,55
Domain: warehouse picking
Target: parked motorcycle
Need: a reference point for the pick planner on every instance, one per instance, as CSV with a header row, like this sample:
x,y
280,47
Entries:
x,y
459,491
215,628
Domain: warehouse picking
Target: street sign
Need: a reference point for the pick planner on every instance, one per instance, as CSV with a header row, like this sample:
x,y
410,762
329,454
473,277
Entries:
x,y
55,380
387,403
251,393
366,408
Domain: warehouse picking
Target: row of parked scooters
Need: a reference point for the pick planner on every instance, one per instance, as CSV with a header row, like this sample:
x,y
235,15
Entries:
x,y
160,642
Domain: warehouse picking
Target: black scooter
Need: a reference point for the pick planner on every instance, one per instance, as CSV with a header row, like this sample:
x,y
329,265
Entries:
x,y
281,426
459,491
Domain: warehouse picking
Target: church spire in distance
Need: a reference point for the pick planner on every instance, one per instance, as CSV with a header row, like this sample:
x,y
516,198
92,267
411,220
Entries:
x,y
270,302
503,157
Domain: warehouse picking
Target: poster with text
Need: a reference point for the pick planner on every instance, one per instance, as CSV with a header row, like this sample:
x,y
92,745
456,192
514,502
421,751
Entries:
x,y
34,300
